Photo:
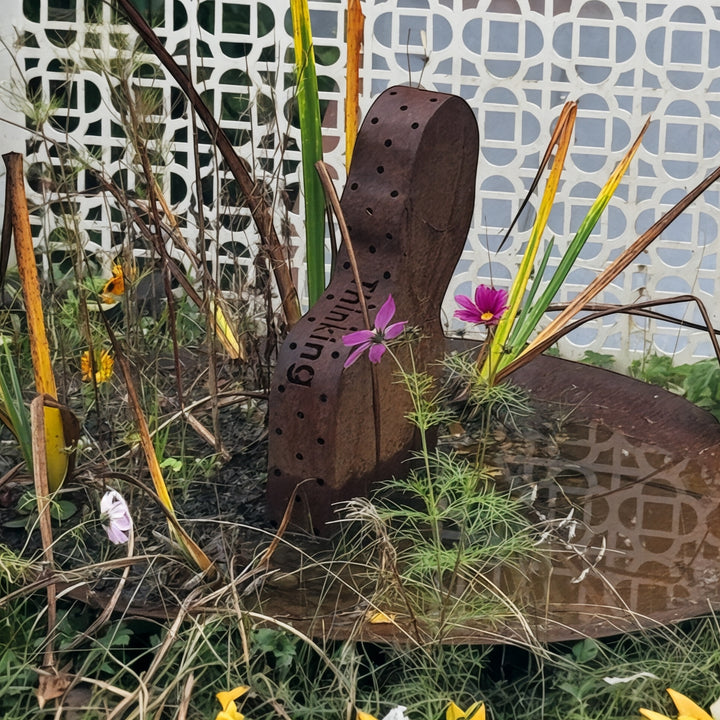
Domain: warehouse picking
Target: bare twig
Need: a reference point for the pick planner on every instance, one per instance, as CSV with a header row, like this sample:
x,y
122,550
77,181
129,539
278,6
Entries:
x,y
259,208
631,309
332,198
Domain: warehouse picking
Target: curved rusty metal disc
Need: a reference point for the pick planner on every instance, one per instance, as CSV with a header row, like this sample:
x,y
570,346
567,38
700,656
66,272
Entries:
x,y
639,467
408,202
640,470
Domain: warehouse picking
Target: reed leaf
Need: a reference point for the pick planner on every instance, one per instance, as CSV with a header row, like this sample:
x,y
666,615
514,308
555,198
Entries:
x,y
555,328
355,28
311,139
13,412
56,450
530,319
561,137
193,551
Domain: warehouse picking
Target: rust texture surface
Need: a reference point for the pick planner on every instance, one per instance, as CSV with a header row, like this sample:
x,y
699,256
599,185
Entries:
x,y
408,202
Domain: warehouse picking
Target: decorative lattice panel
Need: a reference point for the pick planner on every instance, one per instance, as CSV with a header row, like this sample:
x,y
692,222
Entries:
x,y
514,61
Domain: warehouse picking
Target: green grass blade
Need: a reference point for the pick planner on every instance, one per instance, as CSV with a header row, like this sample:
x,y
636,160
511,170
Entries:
x,y
528,304
13,407
311,138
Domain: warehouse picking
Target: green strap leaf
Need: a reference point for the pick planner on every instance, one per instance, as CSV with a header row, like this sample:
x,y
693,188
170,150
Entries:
x,y
311,137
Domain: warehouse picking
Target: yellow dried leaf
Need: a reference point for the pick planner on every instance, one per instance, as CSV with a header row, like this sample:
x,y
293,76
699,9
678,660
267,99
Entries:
x,y
378,617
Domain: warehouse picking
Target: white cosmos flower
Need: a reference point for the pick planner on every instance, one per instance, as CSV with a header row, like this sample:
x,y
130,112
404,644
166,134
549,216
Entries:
x,y
115,517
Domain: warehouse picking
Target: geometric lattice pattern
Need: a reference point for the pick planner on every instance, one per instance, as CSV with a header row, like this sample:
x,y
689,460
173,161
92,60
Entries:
x,y
514,61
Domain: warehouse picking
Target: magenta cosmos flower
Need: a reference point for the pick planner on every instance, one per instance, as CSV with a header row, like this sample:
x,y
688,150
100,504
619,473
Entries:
x,y
374,340
115,516
487,309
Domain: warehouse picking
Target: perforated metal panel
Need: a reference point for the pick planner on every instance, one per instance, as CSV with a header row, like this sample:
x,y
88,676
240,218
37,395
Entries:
x,y
514,61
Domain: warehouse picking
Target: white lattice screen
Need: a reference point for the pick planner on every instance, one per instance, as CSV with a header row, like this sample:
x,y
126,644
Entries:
x,y
514,61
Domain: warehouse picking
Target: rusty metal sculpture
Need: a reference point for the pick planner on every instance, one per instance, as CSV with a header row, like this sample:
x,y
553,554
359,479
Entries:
x,y
408,203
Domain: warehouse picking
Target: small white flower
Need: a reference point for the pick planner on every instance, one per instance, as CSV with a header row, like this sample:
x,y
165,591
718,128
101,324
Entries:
x,y
115,517
397,713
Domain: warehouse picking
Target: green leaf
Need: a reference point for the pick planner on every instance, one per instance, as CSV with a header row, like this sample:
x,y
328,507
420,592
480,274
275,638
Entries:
x,y
597,359
311,134
585,650
13,411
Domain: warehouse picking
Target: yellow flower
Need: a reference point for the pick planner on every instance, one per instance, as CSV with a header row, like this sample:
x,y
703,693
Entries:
x,y
227,701
103,366
475,712
687,709
115,286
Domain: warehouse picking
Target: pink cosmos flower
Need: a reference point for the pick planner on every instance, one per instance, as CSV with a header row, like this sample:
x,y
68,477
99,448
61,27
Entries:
x,y
488,308
374,340
115,516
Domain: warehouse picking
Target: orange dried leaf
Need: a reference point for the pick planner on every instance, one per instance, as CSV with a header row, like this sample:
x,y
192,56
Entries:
x,y
355,29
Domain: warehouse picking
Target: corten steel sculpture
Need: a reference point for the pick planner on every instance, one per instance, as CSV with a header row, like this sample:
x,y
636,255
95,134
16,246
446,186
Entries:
x,y
408,202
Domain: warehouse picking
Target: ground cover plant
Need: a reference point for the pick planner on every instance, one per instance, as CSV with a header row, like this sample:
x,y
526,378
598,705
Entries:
x,y
129,588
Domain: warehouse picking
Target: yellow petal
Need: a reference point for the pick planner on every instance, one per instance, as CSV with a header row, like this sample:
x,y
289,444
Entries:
x,y
476,712
114,287
687,707
379,617
364,716
231,714
229,696
652,715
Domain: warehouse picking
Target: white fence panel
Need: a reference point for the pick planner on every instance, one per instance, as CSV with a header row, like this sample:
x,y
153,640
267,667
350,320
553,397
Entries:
x,y
514,61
